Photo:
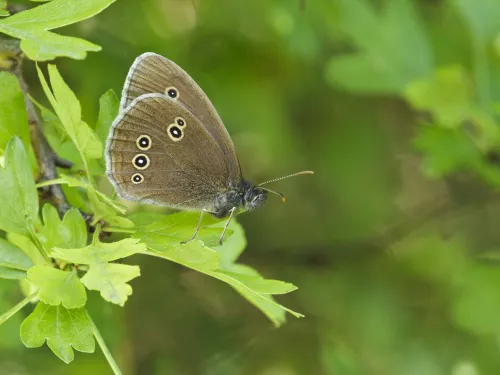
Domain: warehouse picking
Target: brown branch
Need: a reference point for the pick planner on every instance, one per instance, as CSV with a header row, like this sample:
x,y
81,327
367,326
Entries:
x,y
11,60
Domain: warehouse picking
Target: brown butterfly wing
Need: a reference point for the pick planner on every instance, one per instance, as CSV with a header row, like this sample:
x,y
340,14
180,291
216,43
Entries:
x,y
152,73
185,173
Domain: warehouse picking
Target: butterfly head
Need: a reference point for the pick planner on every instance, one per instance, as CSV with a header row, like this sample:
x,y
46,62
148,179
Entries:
x,y
253,197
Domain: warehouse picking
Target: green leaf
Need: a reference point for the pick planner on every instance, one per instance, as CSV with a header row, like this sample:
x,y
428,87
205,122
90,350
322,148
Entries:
x,y
13,118
13,261
104,210
265,303
392,43
3,11
171,230
52,126
446,94
27,246
192,255
100,252
109,104
58,287
71,232
163,233
261,285
111,280
63,329
10,273
18,195
67,108
40,44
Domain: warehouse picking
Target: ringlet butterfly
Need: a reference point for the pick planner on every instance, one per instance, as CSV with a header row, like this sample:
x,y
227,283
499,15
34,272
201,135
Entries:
x,y
168,146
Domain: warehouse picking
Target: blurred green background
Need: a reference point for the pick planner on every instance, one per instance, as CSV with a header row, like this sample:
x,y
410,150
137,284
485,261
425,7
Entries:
x,y
393,243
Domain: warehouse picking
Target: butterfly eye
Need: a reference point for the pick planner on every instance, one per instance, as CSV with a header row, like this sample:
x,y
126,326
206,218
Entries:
x,y
172,92
180,121
175,133
140,161
137,178
144,142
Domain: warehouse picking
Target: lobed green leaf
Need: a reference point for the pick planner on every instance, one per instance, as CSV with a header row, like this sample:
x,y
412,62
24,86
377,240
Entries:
x,y
58,287
63,330
71,232
100,252
111,280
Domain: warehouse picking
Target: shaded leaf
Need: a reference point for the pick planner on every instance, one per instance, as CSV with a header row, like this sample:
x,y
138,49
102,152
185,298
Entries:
x,y
13,257
111,280
58,287
63,329
18,195
13,118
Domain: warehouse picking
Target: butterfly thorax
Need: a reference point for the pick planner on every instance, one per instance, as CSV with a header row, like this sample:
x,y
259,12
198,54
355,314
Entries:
x,y
244,196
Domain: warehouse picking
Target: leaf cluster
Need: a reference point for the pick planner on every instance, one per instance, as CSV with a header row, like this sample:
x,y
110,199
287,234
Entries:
x,y
55,256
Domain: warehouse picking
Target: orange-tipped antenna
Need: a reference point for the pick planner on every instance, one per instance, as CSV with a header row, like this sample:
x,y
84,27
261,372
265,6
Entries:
x,y
282,178
283,198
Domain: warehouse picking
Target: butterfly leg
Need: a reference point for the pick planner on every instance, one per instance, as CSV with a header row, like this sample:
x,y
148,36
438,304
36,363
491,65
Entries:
x,y
197,227
227,224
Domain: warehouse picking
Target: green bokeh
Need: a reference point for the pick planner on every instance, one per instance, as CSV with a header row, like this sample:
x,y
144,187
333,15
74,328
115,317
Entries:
x,y
393,243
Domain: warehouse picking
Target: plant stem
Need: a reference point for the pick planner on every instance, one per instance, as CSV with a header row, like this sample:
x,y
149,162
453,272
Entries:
x,y
105,350
4,317
48,160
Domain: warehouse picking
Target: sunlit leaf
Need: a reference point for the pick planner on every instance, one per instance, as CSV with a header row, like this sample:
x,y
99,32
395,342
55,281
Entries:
x,y
67,108
63,329
40,44
111,280
58,287
71,232
100,252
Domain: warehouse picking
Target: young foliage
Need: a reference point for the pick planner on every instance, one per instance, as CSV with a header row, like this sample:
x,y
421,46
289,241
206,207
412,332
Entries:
x,y
108,278
40,44
58,287
71,232
63,329
18,195
67,108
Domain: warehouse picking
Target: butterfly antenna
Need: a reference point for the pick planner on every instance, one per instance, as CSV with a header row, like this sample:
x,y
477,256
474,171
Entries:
x,y
283,198
282,178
